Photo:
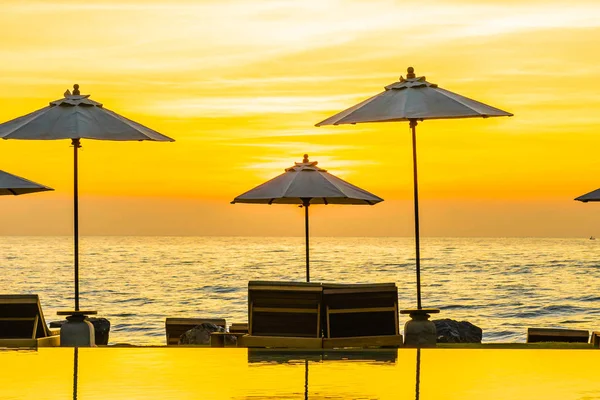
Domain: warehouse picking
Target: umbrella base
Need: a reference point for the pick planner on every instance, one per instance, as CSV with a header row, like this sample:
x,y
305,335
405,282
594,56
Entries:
x,y
77,331
419,331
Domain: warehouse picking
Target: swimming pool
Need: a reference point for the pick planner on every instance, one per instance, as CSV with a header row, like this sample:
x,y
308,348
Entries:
x,y
205,373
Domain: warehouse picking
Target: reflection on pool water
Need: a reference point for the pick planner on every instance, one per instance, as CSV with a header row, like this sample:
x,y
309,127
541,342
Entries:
x,y
187,373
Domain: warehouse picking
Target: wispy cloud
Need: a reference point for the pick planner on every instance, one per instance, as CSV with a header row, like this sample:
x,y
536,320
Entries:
x,y
269,167
186,36
235,105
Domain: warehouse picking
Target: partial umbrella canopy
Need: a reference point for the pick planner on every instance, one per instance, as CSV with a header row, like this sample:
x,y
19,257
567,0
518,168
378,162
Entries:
x,y
305,184
591,196
15,185
77,117
414,99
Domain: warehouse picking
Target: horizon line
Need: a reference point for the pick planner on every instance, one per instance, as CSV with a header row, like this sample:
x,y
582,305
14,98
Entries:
x,y
313,236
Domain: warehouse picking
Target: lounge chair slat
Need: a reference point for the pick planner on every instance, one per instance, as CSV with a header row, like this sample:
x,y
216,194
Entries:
x,y
396,319
287,310
288,288
365,290
319,334
17,299
361,310
35,325
328,322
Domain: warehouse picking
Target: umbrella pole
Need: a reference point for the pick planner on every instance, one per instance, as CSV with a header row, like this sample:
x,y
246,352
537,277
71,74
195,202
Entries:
x,y
413,126
306,204
76,145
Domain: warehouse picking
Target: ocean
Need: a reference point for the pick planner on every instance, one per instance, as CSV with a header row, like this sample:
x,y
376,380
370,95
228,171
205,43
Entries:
x,y
502,285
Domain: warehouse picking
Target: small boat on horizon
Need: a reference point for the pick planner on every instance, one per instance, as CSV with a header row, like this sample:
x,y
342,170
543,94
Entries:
x,y
592,238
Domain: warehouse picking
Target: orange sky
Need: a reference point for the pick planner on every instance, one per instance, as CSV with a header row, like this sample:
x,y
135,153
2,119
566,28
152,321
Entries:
x,y
240,84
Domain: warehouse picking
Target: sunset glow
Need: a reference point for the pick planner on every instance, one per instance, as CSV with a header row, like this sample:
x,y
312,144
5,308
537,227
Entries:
x,y
239,85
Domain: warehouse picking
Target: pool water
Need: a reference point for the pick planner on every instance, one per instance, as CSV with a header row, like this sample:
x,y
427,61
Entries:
x,y
204,373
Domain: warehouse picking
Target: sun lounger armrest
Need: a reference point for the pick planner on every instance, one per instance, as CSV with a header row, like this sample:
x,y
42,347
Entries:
x,y
50,341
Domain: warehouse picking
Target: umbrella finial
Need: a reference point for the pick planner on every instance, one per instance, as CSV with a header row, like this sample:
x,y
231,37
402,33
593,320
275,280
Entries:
x,y
305,161
76,90
410,73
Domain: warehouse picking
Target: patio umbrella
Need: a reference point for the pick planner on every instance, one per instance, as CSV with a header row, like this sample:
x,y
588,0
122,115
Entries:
x,y
15,185
414,99
591,196
77,117
306,184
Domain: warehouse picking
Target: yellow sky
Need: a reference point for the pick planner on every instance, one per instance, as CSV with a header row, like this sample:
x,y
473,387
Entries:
x,y
240,84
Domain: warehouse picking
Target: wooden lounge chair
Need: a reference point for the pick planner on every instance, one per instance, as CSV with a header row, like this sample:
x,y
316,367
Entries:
x,y
22,323
175,327
283,315
535,335
361,315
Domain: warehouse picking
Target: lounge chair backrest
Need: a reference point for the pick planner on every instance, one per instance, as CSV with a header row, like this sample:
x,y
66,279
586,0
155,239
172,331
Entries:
x,y
175,327
21,317
289,309
352,310
535,335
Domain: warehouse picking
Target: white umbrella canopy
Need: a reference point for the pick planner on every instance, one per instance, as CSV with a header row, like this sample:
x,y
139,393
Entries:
x,y
591,196
305,183
414,99
77,117
15,185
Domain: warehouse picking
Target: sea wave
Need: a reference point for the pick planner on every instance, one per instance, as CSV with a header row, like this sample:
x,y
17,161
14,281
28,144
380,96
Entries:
x,y
502,285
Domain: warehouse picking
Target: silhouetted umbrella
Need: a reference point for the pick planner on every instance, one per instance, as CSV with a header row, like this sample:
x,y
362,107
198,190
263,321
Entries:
x,y
15,185
414,99
307,184
591,196
77,117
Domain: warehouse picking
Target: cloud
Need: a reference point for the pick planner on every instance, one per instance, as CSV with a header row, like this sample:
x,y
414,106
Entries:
x,y
238,105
